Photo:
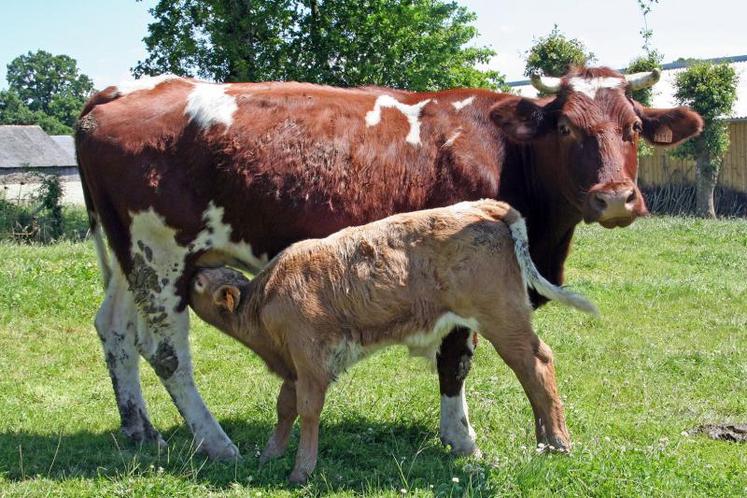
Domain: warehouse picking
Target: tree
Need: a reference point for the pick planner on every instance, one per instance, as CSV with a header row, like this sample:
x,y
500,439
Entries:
x,y
555,54
13,111
46,90
650,60
413,44
711,90
50,83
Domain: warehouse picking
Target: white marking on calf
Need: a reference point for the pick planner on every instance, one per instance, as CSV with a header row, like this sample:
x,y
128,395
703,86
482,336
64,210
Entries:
x,y
459,104
455,428
411,112
144,83
208,104
427,344
590,86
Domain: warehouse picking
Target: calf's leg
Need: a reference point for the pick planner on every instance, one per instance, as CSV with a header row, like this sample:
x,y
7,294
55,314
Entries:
x,y
453,363
531,360
116,324
309,401
287,413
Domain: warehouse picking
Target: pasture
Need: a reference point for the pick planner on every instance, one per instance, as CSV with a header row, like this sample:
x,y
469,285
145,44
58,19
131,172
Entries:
x,y
667,355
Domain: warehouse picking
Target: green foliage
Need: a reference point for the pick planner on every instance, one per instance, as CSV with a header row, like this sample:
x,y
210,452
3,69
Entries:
x,y
554,54
13,111
413,44
711,90
42,218
46,90
666,356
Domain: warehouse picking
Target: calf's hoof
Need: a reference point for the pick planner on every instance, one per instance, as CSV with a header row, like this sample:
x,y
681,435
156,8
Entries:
x,y
462,447
298,477
269,453
554,444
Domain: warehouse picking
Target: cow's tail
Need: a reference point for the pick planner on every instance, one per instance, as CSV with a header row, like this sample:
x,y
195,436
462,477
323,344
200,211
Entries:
x,y
93,219
532,277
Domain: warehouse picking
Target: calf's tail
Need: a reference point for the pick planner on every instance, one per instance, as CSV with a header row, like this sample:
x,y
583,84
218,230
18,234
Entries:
x,y
532,277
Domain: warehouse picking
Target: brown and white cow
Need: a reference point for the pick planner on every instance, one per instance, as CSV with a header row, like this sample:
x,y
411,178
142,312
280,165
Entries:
x,y
322,305
181,173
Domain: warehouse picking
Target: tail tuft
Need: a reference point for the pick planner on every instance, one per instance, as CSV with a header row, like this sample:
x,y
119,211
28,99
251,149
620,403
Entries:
x,y
532,277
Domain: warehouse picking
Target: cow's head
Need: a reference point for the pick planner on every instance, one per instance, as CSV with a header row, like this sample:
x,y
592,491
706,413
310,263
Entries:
x,y
585,138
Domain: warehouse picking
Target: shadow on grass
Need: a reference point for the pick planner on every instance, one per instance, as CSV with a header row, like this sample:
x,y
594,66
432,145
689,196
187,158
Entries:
x,y
356,454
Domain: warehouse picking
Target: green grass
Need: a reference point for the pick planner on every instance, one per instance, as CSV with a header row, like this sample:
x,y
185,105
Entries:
x,y
667,355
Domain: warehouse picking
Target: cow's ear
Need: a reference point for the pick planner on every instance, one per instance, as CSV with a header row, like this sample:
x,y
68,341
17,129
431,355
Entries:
x,y
669,126
520,119
227,298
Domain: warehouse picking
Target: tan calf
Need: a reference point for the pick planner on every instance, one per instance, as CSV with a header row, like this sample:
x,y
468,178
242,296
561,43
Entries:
x,y
321,305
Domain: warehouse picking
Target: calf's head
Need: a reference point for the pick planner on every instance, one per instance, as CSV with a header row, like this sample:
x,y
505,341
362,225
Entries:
x,y
584,138
217,295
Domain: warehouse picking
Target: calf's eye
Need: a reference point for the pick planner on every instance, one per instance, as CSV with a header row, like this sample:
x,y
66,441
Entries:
x,y
637,127
564,129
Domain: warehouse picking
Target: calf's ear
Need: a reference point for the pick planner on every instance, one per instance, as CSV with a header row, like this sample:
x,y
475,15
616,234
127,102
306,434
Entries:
x,y
669,126
227,297
521,119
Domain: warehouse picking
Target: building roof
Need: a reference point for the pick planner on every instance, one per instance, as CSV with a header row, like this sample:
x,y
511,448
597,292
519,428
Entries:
x,y
663,95
31,147
67,142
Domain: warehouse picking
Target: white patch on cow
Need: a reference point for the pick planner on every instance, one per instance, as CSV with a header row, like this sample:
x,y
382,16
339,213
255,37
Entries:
x,y
455,428
590,86
411,112
220,239
459,104
450,141
427,344
153,243
208,104
144,83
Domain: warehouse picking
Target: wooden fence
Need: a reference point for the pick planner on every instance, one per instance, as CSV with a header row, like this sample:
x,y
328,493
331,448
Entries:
x,y
662,169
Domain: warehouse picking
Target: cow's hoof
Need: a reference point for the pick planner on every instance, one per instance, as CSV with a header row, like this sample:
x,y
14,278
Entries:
x,y
222,453
145,435
270,453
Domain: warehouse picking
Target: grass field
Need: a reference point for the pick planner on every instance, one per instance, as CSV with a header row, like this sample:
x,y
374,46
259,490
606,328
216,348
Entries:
x,y
668,354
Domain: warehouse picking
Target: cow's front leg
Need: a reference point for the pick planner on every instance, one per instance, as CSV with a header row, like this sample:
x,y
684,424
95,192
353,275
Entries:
x,y
453,363
163,341
116,324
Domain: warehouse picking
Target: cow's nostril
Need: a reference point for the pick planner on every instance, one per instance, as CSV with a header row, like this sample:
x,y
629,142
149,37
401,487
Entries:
x,y
599,203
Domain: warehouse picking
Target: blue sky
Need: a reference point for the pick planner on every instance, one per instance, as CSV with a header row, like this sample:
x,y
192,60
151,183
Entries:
x,y
106,36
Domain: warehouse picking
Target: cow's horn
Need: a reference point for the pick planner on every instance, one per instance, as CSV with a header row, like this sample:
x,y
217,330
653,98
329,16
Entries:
x,y
646,79
546,84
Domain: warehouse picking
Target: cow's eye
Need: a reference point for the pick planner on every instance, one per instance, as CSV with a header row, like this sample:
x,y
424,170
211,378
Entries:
x,y
564,129
637,127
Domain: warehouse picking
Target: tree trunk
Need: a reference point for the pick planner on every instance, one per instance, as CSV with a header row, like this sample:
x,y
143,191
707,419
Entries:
x,y
707,176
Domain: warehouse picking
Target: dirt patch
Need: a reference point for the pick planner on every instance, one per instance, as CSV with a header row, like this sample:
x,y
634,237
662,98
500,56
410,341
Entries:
x,y
734,433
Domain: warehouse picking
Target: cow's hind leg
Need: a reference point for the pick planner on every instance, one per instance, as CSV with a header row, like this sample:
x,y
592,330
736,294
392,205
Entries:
x,y
453,363
116,324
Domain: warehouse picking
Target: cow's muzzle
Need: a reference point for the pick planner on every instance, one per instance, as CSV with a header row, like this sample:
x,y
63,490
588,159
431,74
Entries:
x,y
614,204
